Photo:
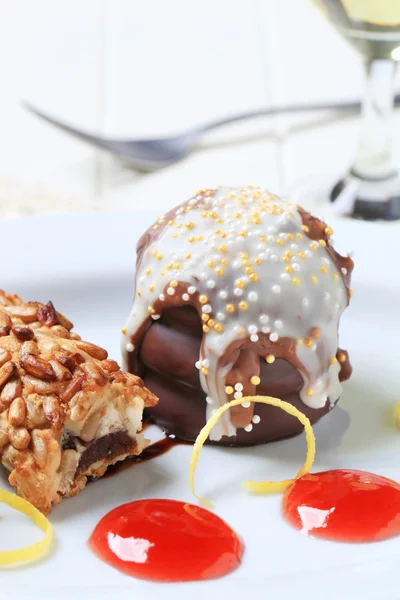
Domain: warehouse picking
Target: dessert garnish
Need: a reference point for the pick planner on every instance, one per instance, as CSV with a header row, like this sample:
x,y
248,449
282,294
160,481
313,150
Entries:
x,y
397,414
167,540
36,550
344,505
261,487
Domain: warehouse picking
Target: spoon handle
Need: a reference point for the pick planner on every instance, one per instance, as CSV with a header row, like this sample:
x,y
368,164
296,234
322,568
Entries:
x,y
348,106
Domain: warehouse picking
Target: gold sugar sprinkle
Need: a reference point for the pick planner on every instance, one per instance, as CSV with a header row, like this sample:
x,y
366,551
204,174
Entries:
x,y
203,299
341,357
229,389
255,380
270,358
243,305
315,333
230,308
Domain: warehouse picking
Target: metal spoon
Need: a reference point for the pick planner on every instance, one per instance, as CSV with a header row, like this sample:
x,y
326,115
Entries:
x,y
155,153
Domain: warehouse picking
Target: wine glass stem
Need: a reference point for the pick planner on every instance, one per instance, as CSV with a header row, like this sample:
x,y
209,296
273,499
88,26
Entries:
x,y
374,158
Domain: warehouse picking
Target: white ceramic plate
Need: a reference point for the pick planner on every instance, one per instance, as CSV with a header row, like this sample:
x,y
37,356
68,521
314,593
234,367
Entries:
x,y
85,265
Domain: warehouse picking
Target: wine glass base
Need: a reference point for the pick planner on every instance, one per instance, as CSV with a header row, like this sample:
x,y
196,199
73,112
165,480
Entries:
x,y
350,197
367,199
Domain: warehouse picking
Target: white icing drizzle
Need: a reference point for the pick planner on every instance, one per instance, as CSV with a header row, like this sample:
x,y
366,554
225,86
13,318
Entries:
x,y
270,279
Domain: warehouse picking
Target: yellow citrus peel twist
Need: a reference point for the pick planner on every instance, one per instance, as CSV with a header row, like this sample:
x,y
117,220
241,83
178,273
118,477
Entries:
x,y
397,414
258,487
34,551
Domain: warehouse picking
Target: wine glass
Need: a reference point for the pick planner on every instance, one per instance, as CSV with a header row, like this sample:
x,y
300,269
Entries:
x,y
371,188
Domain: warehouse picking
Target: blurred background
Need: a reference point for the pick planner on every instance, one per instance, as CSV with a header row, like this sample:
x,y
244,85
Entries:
x,y
133,69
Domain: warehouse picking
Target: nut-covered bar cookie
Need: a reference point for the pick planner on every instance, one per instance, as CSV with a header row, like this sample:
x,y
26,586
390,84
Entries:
x,y
66,410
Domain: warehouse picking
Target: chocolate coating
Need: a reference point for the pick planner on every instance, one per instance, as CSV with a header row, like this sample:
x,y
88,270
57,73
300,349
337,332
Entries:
x,y
166,361
172,317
